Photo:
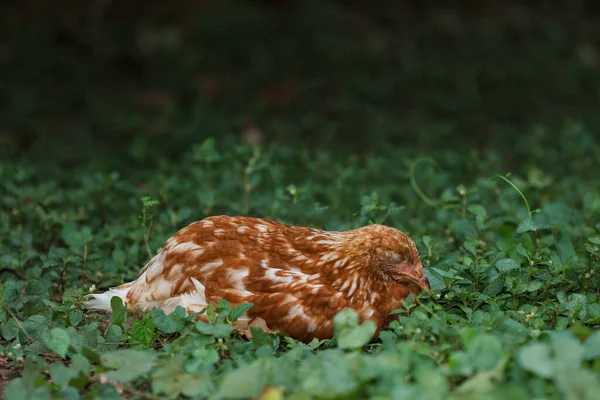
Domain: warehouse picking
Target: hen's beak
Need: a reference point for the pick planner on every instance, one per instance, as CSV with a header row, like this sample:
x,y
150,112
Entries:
x,y
422,282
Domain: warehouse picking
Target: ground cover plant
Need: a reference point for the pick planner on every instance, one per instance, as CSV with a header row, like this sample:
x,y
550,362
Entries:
x,y
512,311
508,229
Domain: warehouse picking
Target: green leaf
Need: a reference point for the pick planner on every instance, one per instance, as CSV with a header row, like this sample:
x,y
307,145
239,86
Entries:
x,y
527,226
90,354
506,264
129,364
534,285
485,352
223,305
171,379
578,384
568,352
36,289
483,382
17,389
470,247
34,326
143,332
113,336
119,312
179,313
495,286
107,392
591,346
12,294
36,306
536,358
561,297
203,358
57,340
349,334
31,386
246,381
480,214
522,251
527,244
427,241
218,330
10,329
334,374
577,304
75,238
260,337
61,374
572,380
119,257
75,317
239,311
206,152
81,364
167,323
211,312
437,280
566,251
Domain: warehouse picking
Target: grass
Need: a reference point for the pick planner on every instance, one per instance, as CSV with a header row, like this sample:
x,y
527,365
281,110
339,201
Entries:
x,y
480,153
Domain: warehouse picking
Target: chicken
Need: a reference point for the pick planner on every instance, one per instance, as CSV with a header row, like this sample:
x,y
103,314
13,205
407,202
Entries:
x,y
298,278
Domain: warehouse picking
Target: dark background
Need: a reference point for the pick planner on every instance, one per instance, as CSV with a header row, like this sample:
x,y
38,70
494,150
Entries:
x,y
133,80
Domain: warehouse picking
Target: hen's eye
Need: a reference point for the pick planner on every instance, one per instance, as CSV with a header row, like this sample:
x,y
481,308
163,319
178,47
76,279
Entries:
x,y
396,257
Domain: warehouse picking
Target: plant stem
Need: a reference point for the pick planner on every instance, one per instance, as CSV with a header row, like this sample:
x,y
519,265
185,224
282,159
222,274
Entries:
x,y
147,239
18,323
413,182
518,191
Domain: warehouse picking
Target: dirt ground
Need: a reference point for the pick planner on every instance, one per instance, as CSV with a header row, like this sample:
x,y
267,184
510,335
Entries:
x,y
7,374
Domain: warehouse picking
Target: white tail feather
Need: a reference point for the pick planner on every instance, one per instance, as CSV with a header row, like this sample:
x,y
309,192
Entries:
x,y
101,301
193,301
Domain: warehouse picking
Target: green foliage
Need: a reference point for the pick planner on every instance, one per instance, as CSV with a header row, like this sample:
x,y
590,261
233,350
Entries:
x,y
513,309
349,334
128,364
57,340
508,232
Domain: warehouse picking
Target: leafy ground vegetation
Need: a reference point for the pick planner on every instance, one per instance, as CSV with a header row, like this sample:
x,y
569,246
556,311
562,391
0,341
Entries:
x,y
476,134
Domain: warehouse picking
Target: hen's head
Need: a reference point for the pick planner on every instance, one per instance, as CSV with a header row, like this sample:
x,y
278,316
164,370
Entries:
x,y
387,253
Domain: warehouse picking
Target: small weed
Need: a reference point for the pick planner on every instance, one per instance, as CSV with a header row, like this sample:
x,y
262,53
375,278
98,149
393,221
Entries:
x,y
147,217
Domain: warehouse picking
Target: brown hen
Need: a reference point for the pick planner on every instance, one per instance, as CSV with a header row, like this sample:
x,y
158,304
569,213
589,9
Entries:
x,y
298,278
